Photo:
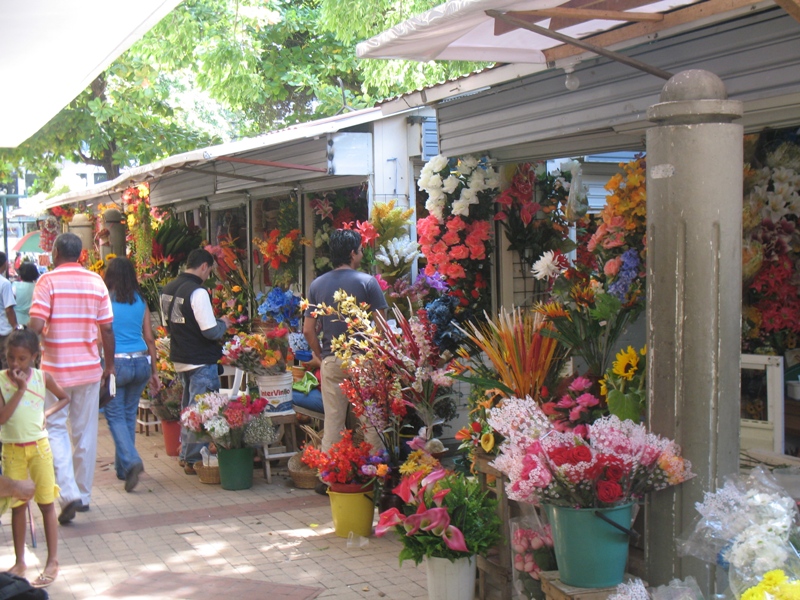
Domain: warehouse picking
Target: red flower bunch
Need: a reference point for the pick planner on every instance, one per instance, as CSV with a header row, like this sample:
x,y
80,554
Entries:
x,y
618,462
277,249
367,230
65,213
450,245
343,462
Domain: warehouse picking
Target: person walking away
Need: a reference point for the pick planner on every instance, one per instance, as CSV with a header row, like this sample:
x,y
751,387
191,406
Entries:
x,y
135,365
195,335
346,255
23,291
26,449
70,310
8,318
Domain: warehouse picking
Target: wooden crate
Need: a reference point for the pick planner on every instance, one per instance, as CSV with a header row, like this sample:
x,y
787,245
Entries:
x,y
555,589
495,570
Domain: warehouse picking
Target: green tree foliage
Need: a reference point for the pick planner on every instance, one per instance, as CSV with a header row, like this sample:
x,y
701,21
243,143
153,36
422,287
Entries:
x,y
221,69
357,20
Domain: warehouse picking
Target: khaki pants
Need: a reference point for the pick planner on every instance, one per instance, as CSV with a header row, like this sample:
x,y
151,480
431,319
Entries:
x,y
336,404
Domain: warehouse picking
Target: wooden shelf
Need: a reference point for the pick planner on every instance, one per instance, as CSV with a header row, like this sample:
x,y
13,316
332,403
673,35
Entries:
x,y
495,570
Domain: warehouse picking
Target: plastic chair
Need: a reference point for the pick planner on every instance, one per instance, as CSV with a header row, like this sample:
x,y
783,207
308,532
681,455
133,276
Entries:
x,y
238,377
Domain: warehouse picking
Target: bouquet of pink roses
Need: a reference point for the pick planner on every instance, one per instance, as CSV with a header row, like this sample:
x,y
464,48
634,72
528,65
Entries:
x,y
617,463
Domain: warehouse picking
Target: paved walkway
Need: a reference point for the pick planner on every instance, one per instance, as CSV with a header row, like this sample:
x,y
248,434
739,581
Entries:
x,y
174,537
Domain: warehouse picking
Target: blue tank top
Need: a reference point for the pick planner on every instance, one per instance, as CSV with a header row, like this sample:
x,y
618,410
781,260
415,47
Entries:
x,y
128,319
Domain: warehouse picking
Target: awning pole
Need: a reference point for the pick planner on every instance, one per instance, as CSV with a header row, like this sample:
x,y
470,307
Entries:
x,y
626,60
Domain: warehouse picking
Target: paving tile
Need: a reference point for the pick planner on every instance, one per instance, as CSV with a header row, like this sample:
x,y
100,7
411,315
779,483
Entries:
x,y
174,537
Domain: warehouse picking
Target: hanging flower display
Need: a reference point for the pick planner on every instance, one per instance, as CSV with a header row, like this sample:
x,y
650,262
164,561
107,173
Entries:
x,y
456,236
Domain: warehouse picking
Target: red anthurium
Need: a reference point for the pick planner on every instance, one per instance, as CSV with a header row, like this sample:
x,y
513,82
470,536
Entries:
x,y
409,487
439,496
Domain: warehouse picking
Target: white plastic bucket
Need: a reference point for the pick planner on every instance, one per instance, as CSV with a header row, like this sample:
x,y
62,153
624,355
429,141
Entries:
x,y
277,389
451,580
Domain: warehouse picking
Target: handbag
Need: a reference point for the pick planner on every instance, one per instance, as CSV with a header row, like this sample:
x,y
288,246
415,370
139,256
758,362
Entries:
x,y
108,389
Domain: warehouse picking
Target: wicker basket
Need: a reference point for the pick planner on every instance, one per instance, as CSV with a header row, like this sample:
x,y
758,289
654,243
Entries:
x,y
304,477
207,474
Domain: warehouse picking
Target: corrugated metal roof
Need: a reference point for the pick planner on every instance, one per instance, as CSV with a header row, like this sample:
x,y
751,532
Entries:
x,y
203,156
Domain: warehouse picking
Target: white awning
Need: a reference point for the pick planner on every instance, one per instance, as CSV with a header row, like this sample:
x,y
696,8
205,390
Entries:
x,y
53,49
461,30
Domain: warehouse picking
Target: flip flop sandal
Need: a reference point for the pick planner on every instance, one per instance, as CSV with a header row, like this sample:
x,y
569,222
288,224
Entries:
x,y
42,581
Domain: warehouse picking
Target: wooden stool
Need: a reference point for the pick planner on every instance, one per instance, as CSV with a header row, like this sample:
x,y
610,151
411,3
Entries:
x,y
288,436
143,417
555,589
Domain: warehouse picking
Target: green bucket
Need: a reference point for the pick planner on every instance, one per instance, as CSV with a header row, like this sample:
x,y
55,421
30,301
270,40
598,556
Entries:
x,y
235,468
591,553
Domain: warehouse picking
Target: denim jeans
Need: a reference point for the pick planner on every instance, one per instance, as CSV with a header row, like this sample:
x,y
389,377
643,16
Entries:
x,y
132,377
195,382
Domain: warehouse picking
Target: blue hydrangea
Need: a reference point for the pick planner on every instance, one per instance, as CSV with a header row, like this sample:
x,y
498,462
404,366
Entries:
x,y
281,305
627,274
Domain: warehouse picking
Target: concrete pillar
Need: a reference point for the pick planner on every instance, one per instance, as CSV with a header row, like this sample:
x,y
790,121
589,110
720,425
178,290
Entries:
x,y
694,285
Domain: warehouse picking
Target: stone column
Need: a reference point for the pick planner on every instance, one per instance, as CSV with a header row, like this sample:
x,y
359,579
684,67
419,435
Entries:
x,y
694,288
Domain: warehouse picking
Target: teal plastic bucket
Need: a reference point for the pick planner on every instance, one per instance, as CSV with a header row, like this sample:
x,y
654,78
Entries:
x,y
591,553
235,468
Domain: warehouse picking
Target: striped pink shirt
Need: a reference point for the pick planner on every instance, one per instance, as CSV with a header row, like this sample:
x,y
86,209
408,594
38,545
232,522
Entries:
x,y
72,302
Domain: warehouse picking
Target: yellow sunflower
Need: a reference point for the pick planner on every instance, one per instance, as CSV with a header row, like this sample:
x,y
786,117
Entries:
x,y
627,363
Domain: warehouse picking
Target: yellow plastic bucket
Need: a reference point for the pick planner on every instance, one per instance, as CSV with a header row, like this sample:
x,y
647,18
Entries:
x,y
352,512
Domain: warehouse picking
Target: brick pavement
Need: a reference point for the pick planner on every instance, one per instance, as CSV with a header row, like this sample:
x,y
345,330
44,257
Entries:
x,y
174,537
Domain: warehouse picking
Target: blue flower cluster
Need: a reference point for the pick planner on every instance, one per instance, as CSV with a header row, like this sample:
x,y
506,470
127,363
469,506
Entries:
x,y
628,272
441,313
281,305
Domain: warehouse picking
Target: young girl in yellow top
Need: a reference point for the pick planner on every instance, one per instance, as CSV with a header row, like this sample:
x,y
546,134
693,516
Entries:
x,y
26,449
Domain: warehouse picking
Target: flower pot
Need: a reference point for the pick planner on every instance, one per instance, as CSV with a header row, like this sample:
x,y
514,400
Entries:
x,y
351,512
235,468
590,552
172,437
451,580
277,389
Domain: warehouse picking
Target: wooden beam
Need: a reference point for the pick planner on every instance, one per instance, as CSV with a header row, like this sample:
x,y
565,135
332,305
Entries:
x,y
790,6
624,33
587,14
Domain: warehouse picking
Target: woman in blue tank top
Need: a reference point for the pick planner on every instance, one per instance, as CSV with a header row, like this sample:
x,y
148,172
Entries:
x,y
134,363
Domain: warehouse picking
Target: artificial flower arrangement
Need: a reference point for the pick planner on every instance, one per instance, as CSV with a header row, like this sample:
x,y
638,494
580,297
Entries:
x,y
771,311
446,515
348,462
407,349
531,553
281,306
624,384
595,299
230,422
410,297
394,250
101,264
617,463
233,293
456,236
508,355
258,353
166,403
576,408
531,212
332,210
746,525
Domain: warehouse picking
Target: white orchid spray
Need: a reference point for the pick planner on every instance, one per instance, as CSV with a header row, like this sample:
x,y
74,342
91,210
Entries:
x,y
397,256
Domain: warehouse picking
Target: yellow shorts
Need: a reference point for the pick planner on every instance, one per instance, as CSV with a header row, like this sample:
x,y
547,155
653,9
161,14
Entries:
x,y
34,461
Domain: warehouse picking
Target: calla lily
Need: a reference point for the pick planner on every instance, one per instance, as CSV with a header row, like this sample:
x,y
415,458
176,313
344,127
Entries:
x,y
416,522
409,487
438,520
387,520
454,539
433,477
439,496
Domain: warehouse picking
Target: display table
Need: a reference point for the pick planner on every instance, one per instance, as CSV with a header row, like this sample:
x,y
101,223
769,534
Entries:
x,y
554,589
